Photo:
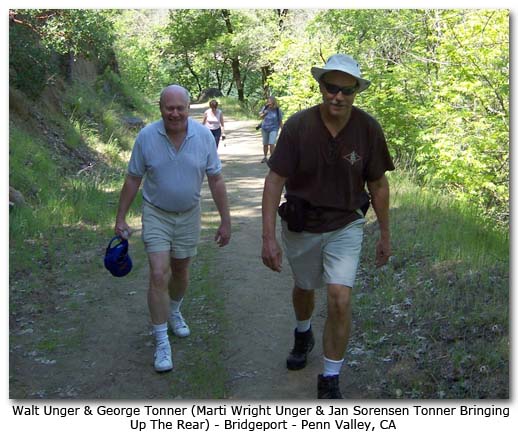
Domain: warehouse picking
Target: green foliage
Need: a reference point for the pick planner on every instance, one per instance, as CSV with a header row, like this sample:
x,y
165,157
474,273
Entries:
x,y
194,48
95,114
140,46
469,149
439,304
56,203
202,46
112,85
290,81
458,233
440,90
39,37
60,200
29,62
82,32
440,80
27,161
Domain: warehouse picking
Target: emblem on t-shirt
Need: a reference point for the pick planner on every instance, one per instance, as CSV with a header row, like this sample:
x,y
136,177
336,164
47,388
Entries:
x,y
353,157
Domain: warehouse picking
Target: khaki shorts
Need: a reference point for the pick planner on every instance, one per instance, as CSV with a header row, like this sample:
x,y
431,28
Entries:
x,y
178,233
317,259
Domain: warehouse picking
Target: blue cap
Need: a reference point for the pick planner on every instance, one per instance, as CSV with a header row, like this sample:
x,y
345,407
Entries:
x,y
117,259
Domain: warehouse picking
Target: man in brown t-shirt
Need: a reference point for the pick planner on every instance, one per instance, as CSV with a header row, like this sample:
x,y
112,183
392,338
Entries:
x,y
324,157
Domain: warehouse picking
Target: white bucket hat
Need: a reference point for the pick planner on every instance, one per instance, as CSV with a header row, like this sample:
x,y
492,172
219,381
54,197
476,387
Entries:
x,y
342,63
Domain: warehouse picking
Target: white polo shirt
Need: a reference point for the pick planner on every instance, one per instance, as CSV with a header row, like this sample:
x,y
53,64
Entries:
x,y
173,179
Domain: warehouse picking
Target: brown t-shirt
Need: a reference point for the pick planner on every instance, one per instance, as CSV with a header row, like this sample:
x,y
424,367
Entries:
x,y
330,173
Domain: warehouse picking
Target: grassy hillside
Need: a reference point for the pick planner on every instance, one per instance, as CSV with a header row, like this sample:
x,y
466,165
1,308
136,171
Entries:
x,y
437,318
67,157
432,324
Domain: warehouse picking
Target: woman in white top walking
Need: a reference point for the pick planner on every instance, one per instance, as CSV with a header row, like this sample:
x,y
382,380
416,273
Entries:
x,y
213,119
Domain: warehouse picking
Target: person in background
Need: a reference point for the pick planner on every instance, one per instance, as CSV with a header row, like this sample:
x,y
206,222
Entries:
x,y
271,116
325,156
172,155
213,119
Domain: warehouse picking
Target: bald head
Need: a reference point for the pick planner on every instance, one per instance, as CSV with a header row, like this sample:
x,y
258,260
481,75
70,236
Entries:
x,y
177,91
174,107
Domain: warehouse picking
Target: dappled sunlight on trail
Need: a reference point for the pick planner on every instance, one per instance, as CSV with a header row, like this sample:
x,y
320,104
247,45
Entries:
x,y
257,301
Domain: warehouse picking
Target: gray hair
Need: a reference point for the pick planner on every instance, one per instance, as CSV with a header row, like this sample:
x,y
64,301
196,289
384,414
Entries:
x,y
274,100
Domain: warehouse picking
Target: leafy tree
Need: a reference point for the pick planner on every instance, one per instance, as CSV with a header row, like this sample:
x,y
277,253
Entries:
x,y
441,91
440,78
82,32
29,62
223,48
140,46
192,46
67,32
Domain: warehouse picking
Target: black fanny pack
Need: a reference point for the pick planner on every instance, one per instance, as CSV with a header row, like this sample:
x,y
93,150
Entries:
x,y
293,211
367,202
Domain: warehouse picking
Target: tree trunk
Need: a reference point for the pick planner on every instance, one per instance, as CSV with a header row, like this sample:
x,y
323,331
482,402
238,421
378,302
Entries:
x,y
265,73
193,73
236,71
67,62
282,13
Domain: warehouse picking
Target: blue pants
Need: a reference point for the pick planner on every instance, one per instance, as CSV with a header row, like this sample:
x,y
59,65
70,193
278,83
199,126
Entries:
x,y
217,135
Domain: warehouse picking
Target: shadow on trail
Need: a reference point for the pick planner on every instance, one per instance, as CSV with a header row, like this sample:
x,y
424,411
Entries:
x,y
258,307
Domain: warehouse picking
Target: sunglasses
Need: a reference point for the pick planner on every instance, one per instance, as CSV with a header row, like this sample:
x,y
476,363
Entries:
x,y
334,89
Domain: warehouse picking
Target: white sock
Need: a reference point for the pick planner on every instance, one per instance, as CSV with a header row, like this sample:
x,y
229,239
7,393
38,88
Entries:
x,y
160,333
175,305
332,367
303,326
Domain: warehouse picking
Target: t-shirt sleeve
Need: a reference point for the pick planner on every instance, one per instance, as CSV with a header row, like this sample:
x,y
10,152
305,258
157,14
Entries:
x,y
285,158
137,165
213,162
380,160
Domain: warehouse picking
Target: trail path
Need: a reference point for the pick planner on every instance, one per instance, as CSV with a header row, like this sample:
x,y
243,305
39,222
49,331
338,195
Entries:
x,y
258,301
88,337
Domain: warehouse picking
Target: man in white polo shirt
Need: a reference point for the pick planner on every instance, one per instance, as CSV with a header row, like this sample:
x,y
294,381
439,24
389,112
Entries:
x,y
172,155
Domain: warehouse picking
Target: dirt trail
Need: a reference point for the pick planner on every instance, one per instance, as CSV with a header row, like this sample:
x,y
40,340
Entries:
x,y
258,301
93,340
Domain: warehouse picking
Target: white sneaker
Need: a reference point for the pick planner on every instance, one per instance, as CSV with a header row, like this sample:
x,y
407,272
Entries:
x,y
163,358
178,325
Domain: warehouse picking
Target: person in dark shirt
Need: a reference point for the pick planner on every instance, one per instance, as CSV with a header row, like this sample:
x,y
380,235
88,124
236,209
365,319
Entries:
x,y
325,155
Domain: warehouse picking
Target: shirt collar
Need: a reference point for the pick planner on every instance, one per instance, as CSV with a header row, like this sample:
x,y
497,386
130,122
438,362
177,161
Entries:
x,y
190,129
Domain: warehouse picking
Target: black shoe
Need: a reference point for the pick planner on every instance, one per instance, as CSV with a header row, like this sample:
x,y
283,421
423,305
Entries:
x,y
328,387
304,343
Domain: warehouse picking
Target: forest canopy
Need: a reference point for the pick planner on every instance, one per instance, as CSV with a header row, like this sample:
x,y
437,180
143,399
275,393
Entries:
x,y
440,78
